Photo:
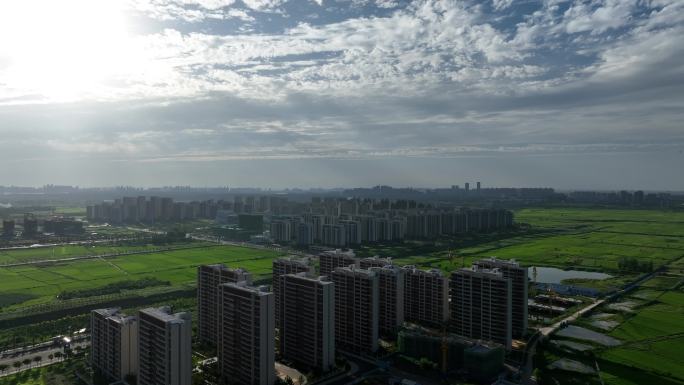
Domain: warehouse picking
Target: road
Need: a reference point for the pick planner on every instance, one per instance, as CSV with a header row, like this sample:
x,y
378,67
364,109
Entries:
x,y
250,245
44,354
359,369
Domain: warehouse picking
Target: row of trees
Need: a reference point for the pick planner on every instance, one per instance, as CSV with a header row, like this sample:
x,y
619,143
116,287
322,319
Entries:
x,y
29,362
633,264
113,288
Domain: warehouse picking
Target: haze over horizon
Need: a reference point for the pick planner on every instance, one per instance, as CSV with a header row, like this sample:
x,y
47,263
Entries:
x,y
567,94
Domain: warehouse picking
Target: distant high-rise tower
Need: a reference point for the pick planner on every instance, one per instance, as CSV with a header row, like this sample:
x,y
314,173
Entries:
x,y
282,266
467,187
247,335
481,305
330,260
307,334
164,347
114,343
519,284
478,186
209,277
356,309
426,297
8,228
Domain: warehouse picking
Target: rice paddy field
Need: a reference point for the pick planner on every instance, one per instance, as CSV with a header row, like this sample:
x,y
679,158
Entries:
x,y
28,285
652,333
66,251
577,238
649,324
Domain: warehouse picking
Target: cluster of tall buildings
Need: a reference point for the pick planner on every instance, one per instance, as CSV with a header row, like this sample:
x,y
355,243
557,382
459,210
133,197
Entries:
x,y
154,346
623,198
133,209
485,302
345,229
306,317
154,209
328,221
57,225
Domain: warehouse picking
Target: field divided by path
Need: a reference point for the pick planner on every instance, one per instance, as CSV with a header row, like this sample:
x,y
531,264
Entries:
x,y
593,239
652,333
41,284
65,251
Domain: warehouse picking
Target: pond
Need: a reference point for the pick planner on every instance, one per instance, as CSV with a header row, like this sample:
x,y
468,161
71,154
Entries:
x,y
554,275
581,333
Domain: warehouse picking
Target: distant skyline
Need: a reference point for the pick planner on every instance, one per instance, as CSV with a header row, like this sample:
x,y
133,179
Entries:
x,y
569,94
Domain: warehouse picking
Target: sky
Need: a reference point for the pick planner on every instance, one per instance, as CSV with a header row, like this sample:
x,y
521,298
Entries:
x,y
571,94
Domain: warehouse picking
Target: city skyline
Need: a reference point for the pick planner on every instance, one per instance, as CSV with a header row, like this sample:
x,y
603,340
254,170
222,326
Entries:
x,y
331,93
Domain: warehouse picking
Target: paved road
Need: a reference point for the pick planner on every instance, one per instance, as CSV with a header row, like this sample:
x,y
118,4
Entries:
x,y
359,369
44,354
250,245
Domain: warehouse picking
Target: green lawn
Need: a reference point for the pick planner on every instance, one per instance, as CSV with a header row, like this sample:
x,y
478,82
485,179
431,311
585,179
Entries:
x,y
43,283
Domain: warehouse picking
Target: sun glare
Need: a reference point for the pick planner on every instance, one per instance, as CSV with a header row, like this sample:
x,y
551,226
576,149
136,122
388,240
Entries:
x,y
64,49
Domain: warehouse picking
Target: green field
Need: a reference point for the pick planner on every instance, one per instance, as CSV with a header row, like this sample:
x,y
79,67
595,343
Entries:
x,y
593,239
37,284
651,332
653,336
69,251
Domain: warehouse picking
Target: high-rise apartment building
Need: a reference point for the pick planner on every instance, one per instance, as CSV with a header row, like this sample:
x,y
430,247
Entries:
x,y
307,334
391,298
330,260
282,266
375,261
114,343
356,309
164,347
426,297
334,235
281,231
481,305
305,234
519,282
209,277
247,335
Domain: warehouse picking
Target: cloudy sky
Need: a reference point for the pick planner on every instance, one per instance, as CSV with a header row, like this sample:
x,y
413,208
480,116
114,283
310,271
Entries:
x,y
301,93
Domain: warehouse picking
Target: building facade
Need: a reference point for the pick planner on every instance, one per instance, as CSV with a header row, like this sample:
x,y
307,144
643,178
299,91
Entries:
x,y
307,334
209,277
164,347
114,343
330,260
247,335
356,309
519,283
375,261
281,267
391,299
426,297
481,305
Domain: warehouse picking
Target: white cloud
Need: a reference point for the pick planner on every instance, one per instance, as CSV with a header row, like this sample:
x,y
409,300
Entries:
x,y
263,5
501,4
598,16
